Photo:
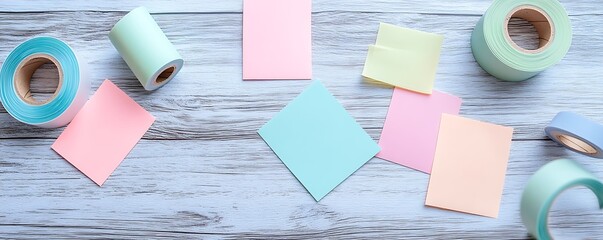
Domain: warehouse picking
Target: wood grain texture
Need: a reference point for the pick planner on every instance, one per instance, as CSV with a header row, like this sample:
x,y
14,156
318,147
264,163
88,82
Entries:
x,y
203,172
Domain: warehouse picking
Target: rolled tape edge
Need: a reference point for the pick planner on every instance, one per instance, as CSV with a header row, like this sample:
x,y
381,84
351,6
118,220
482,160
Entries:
x,y
546,185
81,97
483,57
157,81
161,55
66,112
502,58
576,133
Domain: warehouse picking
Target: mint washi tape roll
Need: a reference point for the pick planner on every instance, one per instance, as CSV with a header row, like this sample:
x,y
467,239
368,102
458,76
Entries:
x,y
15,77
146,49
577,133
498,55
545,185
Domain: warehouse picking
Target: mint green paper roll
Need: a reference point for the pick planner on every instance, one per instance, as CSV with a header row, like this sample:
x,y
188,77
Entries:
x,y
146,49
545,185
498,55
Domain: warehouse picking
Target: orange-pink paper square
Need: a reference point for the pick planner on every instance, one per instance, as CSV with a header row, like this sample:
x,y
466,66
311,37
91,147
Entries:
x,y
277,39
103,132
469,167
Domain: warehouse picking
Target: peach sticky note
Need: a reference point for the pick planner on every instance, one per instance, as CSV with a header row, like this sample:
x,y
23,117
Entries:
x,y
103,133
277,39
410,131
469,168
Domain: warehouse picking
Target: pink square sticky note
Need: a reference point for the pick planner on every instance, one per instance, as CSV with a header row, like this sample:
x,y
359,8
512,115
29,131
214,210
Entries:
x,y
103,132
469,167
277,39
410,131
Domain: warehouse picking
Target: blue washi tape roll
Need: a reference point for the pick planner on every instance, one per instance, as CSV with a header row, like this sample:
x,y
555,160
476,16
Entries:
x,y
577,133
15,77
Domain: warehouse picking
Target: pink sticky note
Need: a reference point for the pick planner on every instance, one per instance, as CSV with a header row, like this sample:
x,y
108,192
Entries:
x,y
277,39
410,131
103,133
470,164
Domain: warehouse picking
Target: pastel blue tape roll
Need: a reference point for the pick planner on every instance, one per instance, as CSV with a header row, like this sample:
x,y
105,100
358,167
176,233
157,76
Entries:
x,y
577,133
15,77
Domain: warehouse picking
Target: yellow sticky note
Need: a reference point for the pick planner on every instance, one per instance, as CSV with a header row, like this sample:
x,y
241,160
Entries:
x,y
469,167
404,58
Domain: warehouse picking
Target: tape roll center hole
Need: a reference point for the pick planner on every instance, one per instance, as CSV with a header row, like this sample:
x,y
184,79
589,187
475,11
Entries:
x,y
576,144
529,29
38,79
165,75
579,201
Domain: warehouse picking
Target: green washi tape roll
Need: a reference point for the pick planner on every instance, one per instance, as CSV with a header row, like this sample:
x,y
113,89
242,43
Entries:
x,y
145,48
498,55
545,185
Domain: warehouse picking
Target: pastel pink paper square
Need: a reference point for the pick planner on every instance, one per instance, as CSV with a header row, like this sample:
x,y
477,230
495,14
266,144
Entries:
x,y
410,131
277,39
103,132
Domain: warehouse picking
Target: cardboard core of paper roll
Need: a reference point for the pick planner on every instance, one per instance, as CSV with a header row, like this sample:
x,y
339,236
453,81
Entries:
x,y
539,19
165,75
576,144
24,72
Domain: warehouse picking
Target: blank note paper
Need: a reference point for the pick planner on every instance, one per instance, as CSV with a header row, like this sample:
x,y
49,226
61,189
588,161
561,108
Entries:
x,y
318,140
103,133
277,39
469,168
410,131
404,58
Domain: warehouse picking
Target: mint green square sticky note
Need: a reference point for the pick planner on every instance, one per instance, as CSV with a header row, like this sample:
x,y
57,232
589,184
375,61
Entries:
x,y
318,140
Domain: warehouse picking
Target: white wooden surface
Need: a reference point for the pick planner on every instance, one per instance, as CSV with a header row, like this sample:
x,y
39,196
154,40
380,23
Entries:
x,y
203,172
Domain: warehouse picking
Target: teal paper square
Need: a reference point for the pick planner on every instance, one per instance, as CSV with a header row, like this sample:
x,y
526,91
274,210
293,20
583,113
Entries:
x,y
318,140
